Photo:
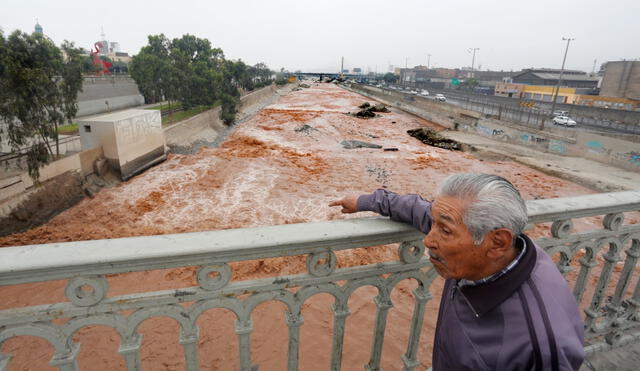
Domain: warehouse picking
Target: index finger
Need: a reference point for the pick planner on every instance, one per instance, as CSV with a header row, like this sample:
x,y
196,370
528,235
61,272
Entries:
x,y
335,203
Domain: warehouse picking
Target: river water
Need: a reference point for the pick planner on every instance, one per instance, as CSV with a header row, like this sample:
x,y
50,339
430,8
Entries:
x,y
282,166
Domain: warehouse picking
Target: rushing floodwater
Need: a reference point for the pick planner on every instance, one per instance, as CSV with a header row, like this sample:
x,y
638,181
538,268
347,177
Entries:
x,y
282,166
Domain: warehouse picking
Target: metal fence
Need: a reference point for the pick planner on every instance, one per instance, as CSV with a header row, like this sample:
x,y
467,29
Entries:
x,y
531,113
603,261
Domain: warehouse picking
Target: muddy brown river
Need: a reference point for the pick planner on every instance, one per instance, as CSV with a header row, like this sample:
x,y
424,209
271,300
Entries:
x,y
282,166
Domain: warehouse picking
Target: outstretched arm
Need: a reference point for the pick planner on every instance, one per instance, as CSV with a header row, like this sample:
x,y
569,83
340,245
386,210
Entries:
x,y
411,209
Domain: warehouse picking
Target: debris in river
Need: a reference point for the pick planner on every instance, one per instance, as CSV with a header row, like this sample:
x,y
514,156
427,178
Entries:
x,y
368,111
380,108
351,144
432,138
305,129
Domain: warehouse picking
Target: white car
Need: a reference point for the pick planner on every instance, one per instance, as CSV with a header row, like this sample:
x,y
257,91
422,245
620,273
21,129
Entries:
x,y
413,92
424,92
440,98
563,120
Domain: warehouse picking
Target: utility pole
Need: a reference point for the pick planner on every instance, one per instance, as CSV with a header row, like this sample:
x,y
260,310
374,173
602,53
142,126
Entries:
x,y
406,62
428,60
555,93
342,66
473,59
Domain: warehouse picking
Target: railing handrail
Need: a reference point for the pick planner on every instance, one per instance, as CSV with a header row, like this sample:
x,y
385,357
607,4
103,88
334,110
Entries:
x,y
33,263
551,209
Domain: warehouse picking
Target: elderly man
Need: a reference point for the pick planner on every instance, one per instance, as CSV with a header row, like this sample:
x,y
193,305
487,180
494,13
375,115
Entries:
x,y
505,305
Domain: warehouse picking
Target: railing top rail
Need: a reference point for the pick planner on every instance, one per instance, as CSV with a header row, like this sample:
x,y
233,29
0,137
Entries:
x,y
22,264
581,206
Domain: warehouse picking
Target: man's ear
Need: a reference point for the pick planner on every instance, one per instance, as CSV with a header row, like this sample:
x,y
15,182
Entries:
x,y
500,241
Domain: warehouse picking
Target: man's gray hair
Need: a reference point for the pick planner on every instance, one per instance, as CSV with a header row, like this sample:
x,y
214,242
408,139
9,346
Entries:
x,y
494,203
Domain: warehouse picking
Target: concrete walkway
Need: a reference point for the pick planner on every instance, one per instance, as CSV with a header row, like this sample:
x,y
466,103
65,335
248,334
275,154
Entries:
x,y
592,174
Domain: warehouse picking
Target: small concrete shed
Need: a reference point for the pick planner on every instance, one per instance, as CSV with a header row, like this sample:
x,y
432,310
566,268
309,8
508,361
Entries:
x,y
132,140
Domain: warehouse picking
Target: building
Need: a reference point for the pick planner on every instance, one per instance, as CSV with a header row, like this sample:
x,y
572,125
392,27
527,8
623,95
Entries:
x,y
549,77
131,140
621,80
38,28
565,95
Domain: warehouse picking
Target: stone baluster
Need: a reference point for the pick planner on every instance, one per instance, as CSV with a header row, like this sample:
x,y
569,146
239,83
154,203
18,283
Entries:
x,y
383,304
4,361
410,358
340,314
615,308
66,360
294,321
611,258
243,330
189,341
130,351
587,262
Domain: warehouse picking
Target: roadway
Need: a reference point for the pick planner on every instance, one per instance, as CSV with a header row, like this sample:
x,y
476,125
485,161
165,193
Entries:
x,y
511,110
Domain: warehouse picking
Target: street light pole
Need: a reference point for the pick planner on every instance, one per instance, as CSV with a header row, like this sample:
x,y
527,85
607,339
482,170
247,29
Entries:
x,y
428,60
555,93
473,59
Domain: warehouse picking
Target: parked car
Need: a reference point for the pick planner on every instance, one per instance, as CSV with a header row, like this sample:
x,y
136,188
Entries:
x,y
424,92
564,120
561,113
415,92
440,98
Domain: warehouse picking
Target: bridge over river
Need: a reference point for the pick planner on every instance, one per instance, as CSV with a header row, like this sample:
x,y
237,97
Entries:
x,y
230,258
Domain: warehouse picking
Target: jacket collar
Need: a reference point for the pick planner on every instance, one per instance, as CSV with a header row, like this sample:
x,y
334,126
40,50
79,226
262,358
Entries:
x,y
487,296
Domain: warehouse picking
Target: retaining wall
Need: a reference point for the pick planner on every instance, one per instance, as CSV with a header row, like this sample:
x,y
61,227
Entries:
x,y
107,93
15,189
207,125
613,151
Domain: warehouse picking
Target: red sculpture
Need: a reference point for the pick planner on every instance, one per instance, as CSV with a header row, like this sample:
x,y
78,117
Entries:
x,y
103,65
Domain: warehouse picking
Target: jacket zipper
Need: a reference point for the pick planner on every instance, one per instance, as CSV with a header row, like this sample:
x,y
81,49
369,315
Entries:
x,y
465,299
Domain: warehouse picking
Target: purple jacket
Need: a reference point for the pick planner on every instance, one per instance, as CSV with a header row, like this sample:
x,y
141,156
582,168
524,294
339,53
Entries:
x,y
525,320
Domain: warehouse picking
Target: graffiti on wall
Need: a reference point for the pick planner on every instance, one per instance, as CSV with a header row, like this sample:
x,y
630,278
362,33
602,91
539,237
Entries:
x,y
533,139
595,147
632,157
557,146
484,130
494,133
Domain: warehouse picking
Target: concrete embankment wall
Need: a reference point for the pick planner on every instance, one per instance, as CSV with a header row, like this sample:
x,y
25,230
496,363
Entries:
x,y
16,189
207,126
107,93
609,150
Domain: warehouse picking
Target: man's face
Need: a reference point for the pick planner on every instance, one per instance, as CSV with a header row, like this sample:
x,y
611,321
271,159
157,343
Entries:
x,y
450,244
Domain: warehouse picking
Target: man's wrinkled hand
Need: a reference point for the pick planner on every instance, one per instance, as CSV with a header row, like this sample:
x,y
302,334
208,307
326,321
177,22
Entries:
x,y
349,204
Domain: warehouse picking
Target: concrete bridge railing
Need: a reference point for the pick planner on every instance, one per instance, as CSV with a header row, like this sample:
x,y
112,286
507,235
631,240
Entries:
x,y
612,316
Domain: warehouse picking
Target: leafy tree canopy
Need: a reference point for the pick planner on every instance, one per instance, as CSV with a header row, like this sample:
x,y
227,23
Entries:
x,y
39,85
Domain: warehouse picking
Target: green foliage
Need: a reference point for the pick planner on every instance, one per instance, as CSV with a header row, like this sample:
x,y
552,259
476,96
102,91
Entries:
x,y
38,92
281,80
229,108
390,78
190,70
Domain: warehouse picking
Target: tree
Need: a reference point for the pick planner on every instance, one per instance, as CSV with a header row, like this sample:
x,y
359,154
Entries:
x,y
39,89
190,70
151,69
390,78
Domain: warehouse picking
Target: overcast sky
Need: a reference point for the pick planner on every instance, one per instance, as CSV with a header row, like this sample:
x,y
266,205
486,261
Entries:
x,y
312,35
